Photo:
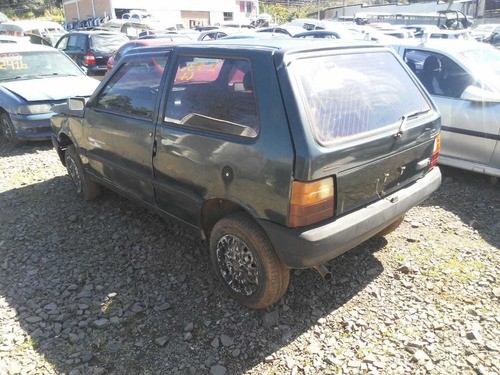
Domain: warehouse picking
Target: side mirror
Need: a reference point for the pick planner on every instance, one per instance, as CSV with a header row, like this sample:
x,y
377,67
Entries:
x,y
76,104
477,94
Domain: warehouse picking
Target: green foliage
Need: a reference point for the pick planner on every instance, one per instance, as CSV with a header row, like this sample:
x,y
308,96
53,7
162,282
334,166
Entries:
x,y
282,13
22,9
55,14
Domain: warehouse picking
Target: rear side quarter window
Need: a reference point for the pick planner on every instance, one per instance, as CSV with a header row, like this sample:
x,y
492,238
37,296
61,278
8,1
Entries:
x,y
214,94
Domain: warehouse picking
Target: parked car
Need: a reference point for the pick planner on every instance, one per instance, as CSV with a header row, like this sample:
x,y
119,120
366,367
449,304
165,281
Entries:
x,y
372,34
318,34
130,28
494,38
283,29
419,30
281,153
463,78
484,31
393,30
209,35
91,49
33,79
154,41
254,35
40,31
14,39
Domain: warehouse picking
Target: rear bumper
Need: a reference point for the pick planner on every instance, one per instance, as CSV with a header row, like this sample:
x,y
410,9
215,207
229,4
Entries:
x,y
96,70
313,245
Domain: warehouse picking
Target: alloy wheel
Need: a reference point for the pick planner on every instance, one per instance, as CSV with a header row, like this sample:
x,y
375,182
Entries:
x,y
237,265
74,174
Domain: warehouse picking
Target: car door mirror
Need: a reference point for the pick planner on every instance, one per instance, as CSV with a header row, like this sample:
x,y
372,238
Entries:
x,y
477,94
76,104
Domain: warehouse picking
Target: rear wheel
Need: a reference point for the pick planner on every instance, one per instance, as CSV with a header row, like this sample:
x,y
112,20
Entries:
x,y
85,187
245,262
8,133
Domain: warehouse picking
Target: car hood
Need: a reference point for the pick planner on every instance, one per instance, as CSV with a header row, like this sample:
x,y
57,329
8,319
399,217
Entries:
x,y
52,88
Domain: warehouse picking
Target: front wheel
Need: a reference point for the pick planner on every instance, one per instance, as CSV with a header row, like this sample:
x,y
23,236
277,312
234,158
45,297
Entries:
x,y
85,187
8,133
245,262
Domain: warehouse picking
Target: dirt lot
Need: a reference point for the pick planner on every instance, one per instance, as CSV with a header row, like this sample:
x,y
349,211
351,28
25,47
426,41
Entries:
x,y
109,288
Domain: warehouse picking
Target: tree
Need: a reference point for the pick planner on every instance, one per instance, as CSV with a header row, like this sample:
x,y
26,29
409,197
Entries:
x,y
28,8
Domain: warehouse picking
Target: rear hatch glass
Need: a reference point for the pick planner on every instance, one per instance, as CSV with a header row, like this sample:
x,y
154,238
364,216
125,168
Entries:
x,y
347,96
104,45
356,104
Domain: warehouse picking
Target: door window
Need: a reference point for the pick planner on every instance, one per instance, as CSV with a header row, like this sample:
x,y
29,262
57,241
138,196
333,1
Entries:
x,y
438,73
75,43
133,88
63,43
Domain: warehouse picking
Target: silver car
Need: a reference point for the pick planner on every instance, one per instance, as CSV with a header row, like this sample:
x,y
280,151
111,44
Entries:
x,y
463,78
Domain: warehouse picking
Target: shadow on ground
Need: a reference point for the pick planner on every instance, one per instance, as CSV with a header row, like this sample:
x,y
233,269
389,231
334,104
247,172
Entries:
x,y
108,287
94,285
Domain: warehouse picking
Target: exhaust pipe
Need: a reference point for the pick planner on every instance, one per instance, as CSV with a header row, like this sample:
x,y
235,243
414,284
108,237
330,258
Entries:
x,y
323,271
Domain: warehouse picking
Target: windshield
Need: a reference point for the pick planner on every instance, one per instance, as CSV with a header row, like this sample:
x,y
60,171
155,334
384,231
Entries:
x,y
39,64
344,96
484,62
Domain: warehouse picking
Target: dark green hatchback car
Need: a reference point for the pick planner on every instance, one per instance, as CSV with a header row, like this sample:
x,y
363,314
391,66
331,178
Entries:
x,y
282,154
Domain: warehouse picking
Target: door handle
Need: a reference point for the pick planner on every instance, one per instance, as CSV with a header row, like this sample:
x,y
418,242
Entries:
x,y
155,148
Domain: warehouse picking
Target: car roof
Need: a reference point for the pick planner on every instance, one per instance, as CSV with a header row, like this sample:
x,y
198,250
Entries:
x,y
95,31
25,47
288,29
450,46
319,32
151,41
256,35
284,45
31,24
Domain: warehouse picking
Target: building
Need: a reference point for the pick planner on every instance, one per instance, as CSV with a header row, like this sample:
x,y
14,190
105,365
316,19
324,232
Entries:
x,y
189,13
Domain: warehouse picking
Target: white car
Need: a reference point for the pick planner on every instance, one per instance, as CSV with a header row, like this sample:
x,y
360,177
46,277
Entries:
x,y
463,78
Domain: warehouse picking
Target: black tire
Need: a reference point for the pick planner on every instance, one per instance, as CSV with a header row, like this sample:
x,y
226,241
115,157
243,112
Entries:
x,y
86,189
248,243
8,133
391,228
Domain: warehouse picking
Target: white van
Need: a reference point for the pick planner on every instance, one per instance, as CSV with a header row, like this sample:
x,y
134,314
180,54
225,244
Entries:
x,y
41,32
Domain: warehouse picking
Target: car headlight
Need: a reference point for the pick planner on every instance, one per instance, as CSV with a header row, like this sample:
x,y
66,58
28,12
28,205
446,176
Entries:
x,y
34,109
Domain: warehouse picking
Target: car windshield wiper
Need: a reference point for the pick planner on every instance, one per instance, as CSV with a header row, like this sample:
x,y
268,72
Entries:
x,y
47,75
404,118
15,78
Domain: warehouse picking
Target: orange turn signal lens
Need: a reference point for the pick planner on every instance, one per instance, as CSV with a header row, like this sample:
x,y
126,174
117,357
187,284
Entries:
x,y
435,152
311,202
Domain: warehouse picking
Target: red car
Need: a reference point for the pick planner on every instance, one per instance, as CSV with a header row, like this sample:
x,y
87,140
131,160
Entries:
x,y
124,48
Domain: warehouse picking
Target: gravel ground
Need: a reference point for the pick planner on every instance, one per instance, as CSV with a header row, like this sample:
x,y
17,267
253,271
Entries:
x,y
109,288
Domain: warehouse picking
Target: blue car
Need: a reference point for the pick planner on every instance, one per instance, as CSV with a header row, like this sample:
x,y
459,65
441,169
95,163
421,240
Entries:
x,y
34,78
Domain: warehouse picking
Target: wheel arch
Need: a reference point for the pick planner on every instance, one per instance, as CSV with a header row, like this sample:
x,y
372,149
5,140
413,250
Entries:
x,y
63,141
215,209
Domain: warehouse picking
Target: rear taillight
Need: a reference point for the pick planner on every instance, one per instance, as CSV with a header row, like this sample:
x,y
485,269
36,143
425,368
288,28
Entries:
x,y
311,202
435,152
89,59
